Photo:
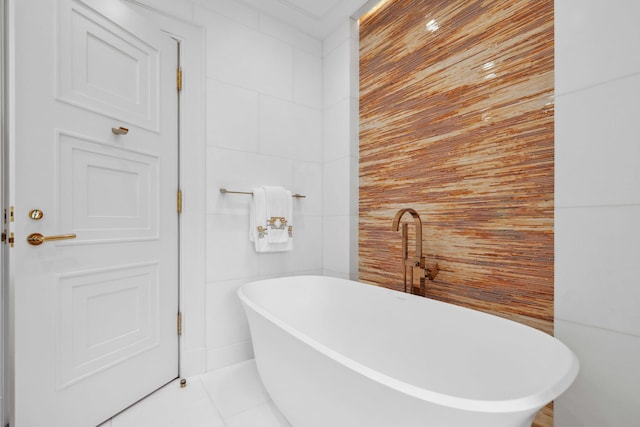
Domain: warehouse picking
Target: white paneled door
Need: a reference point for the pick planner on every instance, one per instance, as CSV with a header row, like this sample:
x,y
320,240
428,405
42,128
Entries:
x,y
96,166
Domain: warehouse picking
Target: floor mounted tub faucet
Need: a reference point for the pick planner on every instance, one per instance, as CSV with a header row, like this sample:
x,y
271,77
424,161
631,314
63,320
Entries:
x,y
417,265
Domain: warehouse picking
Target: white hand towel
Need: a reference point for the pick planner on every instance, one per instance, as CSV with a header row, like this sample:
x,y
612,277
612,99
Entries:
x,y
279,209
257,218
261,226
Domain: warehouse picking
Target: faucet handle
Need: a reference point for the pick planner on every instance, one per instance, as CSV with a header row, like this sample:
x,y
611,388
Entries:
x,y
432,272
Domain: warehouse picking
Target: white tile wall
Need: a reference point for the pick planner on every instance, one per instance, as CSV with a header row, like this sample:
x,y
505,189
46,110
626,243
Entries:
x,y
336,190
597,161
231,9
264,127
242,56
336,73
232,117
307,79
291,36
290,130
336,128
597,146
595,42
597,270
340,167
336,236
605,394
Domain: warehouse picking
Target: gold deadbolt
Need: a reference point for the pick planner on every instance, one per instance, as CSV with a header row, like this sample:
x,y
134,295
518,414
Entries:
x,y
37,239
36,214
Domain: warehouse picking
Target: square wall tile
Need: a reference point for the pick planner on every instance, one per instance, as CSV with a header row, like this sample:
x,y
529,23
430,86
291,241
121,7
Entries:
x,y
597,145
246,58
337,274
353,247
354,126
354,185
595,41
290,35
597,268
307,180
336,187
230,9
232,117
307,79
290,130
336,77
336,38
335,245
182,9
226,320
307,252
337,130
605,392
230,254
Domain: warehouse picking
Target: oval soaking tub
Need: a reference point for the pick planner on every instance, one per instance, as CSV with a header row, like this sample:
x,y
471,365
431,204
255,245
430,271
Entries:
x,y
339,353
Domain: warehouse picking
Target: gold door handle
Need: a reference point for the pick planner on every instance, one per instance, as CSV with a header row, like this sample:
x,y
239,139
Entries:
x,y
37,239
120,131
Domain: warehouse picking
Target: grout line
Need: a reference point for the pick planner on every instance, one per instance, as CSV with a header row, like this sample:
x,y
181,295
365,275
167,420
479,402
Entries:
x,y
621,205
585,325
596,85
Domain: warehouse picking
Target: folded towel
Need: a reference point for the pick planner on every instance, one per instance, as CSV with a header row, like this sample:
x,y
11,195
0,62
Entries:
x,y
279,208
270,223
257,218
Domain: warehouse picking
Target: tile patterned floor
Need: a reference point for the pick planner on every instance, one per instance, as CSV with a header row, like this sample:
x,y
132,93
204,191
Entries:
x,y
230,397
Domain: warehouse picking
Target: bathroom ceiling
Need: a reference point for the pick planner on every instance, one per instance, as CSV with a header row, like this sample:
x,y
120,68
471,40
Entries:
x,y
315,17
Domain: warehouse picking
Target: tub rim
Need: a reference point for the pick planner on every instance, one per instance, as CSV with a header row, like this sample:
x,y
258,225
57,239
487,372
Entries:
x,y
520,404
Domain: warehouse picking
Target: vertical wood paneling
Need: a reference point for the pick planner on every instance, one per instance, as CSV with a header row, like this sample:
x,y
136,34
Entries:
x,y
456,121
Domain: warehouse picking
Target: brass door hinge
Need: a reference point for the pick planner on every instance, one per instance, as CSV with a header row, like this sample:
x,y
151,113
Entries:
x,y
179,201
11,216
179,79
11,240
179,324
4,236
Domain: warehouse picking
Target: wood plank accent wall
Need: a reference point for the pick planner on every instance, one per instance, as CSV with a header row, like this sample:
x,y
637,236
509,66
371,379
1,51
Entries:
x,y
457,122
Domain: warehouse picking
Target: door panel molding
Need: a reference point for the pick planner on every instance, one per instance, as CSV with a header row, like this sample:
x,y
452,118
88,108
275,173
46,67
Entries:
x,y
89,338
88,46
87,167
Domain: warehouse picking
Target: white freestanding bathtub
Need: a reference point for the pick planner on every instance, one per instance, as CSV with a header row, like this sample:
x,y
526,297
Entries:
x,y
338,353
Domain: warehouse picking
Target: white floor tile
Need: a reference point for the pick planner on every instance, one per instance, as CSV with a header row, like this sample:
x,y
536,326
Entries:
x,y
173,406
229,397
235,389
265,415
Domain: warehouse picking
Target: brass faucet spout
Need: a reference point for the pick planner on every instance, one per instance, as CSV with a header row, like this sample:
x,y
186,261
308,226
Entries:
x,y
418,227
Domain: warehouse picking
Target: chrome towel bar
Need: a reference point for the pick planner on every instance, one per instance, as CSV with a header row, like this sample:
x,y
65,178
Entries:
x,y
225,191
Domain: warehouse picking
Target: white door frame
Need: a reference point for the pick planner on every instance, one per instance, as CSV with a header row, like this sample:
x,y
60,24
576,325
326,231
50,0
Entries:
x,y
4,162
192,181
193,185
